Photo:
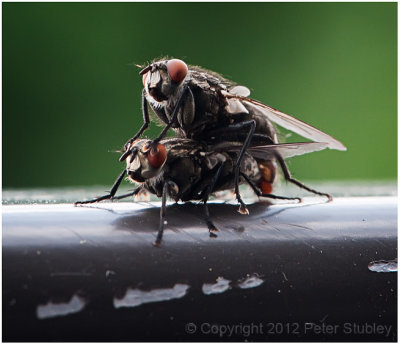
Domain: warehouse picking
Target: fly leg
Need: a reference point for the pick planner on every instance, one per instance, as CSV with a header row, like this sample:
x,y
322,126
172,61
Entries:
x,y
127,195
163,208
234,128
211,227
174,115
288,177
252,124
259,193
110,195
146,121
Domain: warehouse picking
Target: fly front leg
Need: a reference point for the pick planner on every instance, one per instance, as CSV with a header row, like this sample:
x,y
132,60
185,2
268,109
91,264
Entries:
x,y
288,177
211,227
110,195
127,195
174,115
157,242
146,121
261,194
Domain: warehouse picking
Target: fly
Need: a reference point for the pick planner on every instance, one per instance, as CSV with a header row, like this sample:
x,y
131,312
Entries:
x,y
184,169
202,105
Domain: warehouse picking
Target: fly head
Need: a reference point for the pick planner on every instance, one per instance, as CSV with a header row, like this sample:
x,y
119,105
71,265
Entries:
x,y
163,79
148,161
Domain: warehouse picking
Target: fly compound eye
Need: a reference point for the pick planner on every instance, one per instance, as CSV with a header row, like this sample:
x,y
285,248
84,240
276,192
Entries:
x,y
157,156
177,70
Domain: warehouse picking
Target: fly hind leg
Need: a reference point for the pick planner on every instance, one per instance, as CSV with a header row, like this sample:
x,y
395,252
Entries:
x,y
146,121
252,124
288,177
261,194
237,127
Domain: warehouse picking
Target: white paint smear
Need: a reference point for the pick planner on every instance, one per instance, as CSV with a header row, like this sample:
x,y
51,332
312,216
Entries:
x,y
251,281
383,266
49,310
136,297
220,286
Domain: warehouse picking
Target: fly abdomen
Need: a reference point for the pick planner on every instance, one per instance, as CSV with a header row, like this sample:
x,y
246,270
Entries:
x,y
268,174
264,126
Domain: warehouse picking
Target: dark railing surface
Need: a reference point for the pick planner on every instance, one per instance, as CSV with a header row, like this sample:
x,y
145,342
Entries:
x,y
294,272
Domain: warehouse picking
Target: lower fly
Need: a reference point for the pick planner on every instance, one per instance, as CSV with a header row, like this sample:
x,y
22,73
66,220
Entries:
x,y
185,170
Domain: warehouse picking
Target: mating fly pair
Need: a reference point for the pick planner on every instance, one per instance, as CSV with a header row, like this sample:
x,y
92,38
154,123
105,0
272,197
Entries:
x,y
202,105
216,115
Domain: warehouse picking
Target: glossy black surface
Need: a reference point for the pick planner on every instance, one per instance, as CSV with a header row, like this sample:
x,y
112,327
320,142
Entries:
x,y
67,269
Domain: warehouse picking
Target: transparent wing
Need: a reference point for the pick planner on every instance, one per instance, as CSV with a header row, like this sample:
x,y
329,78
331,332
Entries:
x,y
286,150
267,151
287,121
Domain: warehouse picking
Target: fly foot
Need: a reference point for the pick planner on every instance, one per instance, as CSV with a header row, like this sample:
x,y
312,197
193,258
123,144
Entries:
x,y
243,209
212,229
157,243
213,234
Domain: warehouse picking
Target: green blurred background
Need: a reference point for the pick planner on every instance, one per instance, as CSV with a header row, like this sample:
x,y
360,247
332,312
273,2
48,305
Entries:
x,y
71,96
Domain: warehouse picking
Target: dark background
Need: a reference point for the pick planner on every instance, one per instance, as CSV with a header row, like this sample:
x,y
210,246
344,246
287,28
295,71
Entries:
x,y
71,94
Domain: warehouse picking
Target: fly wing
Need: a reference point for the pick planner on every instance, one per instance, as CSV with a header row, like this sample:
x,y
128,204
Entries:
x,y
266,152
287,121
285,150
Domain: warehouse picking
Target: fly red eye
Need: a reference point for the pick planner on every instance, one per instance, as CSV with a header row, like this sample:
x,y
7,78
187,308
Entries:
x,y
157,156
144,77
177,70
